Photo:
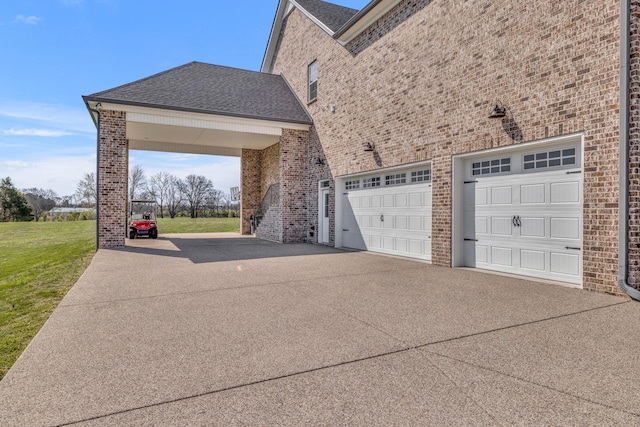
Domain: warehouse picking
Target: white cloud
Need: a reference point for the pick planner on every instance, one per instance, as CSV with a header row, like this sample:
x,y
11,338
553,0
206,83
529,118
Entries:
x,y
73,120
60,174
16,164
29,20
51,133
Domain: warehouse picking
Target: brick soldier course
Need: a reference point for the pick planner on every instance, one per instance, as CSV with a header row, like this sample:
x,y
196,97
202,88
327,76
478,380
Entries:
x,y
419,83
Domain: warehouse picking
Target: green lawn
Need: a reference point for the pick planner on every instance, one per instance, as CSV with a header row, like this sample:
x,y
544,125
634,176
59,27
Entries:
x,y
41,261
198,225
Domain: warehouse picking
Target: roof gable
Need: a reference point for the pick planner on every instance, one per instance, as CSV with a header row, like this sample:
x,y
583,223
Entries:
x,y
212,89
332,15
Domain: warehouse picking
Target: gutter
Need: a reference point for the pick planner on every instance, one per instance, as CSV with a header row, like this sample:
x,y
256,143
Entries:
x,y
625,109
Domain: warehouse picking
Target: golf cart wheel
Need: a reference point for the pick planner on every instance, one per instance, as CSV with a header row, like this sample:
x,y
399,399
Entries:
x,y
154,234
132,234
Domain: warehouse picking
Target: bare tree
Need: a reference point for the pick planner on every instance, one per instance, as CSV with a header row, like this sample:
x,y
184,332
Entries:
x,y
137,181
174,195
195,189
158,186
87,191
41,200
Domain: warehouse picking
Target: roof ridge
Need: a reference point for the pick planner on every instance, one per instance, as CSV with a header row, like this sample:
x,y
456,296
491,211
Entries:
x,y
175,69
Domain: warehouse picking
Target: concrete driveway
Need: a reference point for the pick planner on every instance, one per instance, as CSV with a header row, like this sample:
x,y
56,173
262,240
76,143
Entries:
x,y
228,330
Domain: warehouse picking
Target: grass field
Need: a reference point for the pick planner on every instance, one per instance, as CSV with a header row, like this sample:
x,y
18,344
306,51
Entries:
x,y
198,225
41,261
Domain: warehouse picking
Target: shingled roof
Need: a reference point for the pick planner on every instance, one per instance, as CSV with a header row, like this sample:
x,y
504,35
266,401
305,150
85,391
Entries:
x,y
212,89
331,15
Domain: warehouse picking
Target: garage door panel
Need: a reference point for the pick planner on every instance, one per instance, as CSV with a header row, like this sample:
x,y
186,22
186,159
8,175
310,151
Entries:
x,y
401,200
364,202
415,246
565,228
502,226
415,200
565,192
481,196
388,201
532,260
533,227
415,223
501,195
532,194
565,263
376,201
502,256
401,222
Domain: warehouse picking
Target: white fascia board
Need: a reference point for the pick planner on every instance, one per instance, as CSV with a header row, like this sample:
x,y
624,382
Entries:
x,y
368,18
274,35
159,116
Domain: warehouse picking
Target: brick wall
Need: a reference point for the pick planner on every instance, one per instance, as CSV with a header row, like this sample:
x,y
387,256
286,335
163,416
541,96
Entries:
x,y
294,185
250,195
113,164
420,83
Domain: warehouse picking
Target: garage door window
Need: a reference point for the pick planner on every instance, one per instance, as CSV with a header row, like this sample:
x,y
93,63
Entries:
x,y
421,176
371,182
352,185
395,179
549,159
490,167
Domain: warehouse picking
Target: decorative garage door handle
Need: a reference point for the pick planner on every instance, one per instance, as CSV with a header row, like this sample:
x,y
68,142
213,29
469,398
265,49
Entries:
x,y
516,221
382,218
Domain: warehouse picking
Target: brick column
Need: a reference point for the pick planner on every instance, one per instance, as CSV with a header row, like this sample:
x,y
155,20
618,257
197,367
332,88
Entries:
x,y
250,194
294,185
441,211
113,152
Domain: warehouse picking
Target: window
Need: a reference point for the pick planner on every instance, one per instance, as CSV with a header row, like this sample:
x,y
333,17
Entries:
x,y
313,80
352,185
371,182
549,159
421,176
324,184
489,167
395,179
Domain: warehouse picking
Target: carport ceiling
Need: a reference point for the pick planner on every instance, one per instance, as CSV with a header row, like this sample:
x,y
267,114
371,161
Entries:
x,y
181,139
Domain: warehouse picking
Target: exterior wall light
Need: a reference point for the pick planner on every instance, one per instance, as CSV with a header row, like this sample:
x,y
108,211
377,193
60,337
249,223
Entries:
x,y
320,161
369,147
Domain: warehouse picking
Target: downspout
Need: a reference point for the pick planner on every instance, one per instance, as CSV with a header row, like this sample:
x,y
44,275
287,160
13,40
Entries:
x,y
97,111
625,108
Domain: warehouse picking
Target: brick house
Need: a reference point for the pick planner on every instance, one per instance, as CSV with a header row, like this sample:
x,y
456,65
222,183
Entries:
x,y
500,136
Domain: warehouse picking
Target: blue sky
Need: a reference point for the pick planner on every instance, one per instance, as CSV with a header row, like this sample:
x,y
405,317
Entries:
x,y
54,51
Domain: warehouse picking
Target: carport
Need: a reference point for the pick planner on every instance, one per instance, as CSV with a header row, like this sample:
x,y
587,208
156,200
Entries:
x,y
200,108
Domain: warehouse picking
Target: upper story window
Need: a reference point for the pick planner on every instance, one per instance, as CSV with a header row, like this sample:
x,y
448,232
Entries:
x,y
313,80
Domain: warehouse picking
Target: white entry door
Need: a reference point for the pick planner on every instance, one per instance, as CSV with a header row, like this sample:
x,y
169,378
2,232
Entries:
x,y
389,213
528,222
323,220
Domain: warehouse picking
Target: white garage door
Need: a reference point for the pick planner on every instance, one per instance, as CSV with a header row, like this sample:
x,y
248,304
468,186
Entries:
x,y
523,214
389,213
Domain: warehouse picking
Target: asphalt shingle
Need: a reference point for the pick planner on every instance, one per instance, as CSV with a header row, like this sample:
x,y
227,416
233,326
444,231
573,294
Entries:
x,y
212,89
332,15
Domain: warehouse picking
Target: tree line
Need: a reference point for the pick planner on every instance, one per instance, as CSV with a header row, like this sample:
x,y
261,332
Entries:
x,y
194,196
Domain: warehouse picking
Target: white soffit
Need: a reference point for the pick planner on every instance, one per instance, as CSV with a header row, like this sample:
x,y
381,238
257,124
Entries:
x,y
184,132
